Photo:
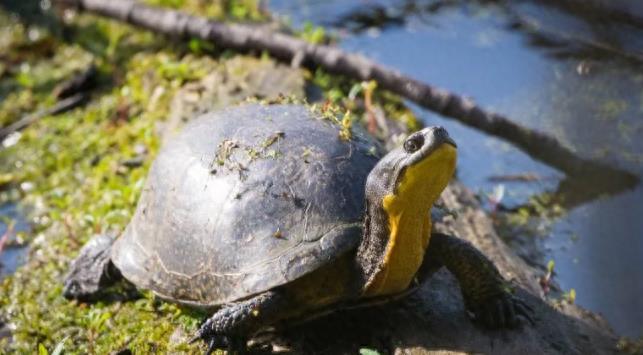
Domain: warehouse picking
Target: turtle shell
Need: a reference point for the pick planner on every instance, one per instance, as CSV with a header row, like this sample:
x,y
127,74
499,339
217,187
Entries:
x,y
244,200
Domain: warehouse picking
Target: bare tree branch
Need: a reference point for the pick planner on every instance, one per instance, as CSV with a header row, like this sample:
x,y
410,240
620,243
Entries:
x,y
245,37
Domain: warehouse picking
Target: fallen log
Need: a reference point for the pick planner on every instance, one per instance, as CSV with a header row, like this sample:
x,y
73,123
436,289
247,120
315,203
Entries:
x,y
246,37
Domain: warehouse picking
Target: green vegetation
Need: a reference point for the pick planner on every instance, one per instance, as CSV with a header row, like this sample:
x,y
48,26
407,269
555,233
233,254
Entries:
x,y
234,10
71,170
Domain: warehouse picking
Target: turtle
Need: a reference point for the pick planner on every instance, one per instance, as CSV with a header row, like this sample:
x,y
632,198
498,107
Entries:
x,y
266,213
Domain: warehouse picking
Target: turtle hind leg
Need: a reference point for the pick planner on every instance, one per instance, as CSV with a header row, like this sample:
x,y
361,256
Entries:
x,y
230,326
92,270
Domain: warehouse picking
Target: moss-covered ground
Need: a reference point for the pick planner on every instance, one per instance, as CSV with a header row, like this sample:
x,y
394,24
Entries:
x,y
71,171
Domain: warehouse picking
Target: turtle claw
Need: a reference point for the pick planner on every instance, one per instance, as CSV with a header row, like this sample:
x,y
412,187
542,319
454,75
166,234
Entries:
x,y
215,340
213,345
503,311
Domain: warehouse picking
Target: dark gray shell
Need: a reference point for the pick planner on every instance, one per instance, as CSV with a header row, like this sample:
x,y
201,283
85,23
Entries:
x,y
244,200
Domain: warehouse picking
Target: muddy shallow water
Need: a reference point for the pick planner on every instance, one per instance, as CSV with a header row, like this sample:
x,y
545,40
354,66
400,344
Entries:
x,y
552,68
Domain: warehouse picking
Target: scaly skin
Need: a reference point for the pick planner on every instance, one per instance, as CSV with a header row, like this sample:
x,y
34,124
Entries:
x,y
231,325
486,294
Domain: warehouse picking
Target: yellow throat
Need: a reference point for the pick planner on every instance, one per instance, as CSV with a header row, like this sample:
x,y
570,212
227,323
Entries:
x,y
409,220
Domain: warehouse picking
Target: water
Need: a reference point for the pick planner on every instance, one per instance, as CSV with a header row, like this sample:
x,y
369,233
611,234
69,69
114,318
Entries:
x,y
566,73
12,255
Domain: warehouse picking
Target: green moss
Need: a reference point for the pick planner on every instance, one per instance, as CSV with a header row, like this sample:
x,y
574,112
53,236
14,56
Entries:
x,y
347,121
69,169
313,34
245,10
78,185
349,95
73,162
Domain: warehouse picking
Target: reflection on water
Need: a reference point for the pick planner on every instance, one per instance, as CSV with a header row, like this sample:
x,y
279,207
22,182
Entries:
x,y
576,75
11,255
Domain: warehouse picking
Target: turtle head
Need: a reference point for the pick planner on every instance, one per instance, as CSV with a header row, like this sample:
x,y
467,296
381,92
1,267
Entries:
x,y
415,173
400,191
426,163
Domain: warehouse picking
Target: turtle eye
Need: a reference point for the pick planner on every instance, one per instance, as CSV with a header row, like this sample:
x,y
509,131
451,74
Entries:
x,y
413,143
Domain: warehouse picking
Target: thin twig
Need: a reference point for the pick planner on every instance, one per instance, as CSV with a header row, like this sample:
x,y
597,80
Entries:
x,y
60,107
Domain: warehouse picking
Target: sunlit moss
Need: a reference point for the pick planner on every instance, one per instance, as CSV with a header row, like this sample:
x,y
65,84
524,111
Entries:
x,y
247,10
313,34
73,161
79,186
342,91
77,183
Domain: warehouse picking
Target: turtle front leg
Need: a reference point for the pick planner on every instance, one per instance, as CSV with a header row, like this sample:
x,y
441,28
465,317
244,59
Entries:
x,y
92,270
486,294
231,325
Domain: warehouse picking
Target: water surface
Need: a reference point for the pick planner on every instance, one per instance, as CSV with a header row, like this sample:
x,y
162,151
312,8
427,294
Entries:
x,y
12,255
